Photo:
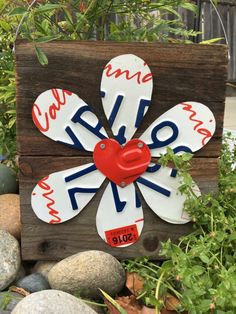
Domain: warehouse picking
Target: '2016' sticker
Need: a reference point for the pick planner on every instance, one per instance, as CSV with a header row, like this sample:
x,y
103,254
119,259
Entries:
x,y
122,236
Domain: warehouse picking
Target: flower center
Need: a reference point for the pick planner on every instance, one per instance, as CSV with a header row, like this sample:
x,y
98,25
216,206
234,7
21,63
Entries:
x,y
122,164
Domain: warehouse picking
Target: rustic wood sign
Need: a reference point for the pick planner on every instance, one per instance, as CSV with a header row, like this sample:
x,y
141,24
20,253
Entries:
x,y
153,96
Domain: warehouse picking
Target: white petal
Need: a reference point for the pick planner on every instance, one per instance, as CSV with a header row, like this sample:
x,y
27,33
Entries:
x,y
64,117
120,216
186,127
160,190
62,195
126,90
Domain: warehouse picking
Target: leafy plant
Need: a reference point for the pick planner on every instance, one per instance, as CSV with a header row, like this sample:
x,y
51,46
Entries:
x,y
201,269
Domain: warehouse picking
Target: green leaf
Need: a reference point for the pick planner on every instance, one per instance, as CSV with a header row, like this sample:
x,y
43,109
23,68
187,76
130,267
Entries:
x,y
211,41
204,258
41,56
46,39
113,302
5,26
198,270
18,11
48,7
232,237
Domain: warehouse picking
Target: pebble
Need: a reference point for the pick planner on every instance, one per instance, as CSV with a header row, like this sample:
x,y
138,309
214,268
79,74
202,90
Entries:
x,y
52,302
9,259
8,183
84,273
43,267
33,283
8,300
10,214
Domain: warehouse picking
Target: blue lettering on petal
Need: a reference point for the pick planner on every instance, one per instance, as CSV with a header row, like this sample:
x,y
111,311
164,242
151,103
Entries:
x,y
182,148
120,205
115,109
73,191
77,119
120,137
75,140
173,173
153,168
142,104
80,173
137,200
154,186
102,94
156,142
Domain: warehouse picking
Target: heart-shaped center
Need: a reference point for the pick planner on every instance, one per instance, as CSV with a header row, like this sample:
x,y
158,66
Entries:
x,y
121,164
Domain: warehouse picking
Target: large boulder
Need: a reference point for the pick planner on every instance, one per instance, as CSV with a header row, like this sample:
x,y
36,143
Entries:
x,y
51,302
86,272
10,214
8,182
9,259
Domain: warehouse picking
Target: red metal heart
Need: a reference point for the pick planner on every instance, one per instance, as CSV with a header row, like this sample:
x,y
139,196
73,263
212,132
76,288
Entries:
x,y
121,164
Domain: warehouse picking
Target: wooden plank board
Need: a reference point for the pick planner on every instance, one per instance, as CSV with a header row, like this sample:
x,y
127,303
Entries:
x,y
43,241
181,73
183,70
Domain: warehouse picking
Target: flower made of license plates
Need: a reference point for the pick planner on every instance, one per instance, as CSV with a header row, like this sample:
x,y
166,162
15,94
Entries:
x,y
126,90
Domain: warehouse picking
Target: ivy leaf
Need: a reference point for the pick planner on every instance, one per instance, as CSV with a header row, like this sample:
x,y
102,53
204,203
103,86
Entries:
x,y
41,56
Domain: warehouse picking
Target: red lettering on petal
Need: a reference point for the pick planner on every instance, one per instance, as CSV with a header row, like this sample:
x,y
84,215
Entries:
x,y
53,212
36,121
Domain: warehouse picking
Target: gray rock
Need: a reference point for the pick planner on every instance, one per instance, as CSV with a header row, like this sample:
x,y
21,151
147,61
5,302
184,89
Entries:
x,y
86,272
8,300
52,302
33,283
9,259
43,267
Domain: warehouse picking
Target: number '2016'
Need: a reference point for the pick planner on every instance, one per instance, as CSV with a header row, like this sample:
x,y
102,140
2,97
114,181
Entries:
x,y
122,238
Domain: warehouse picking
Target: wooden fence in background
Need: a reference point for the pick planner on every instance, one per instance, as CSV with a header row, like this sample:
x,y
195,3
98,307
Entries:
x,y
210,27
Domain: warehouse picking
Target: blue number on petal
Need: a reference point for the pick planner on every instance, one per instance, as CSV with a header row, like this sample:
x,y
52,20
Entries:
x,y
153,168
74,138
73,191
115,109
156,142
137,200
154,186
120,137
173,173
182,148
78,119
142,104
80,173
120,205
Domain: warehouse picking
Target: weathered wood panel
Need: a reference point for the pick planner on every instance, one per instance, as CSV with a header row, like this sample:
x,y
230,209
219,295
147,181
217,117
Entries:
x,y
43,241
181,73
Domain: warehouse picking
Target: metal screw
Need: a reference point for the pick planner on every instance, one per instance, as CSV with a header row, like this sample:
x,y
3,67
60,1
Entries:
x,y
102,146
140,145
122,184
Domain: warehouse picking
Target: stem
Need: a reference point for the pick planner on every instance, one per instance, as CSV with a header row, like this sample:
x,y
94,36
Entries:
x,y
157,291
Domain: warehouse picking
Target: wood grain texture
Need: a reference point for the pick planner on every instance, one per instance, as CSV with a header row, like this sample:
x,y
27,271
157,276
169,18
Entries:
x,y
181,73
